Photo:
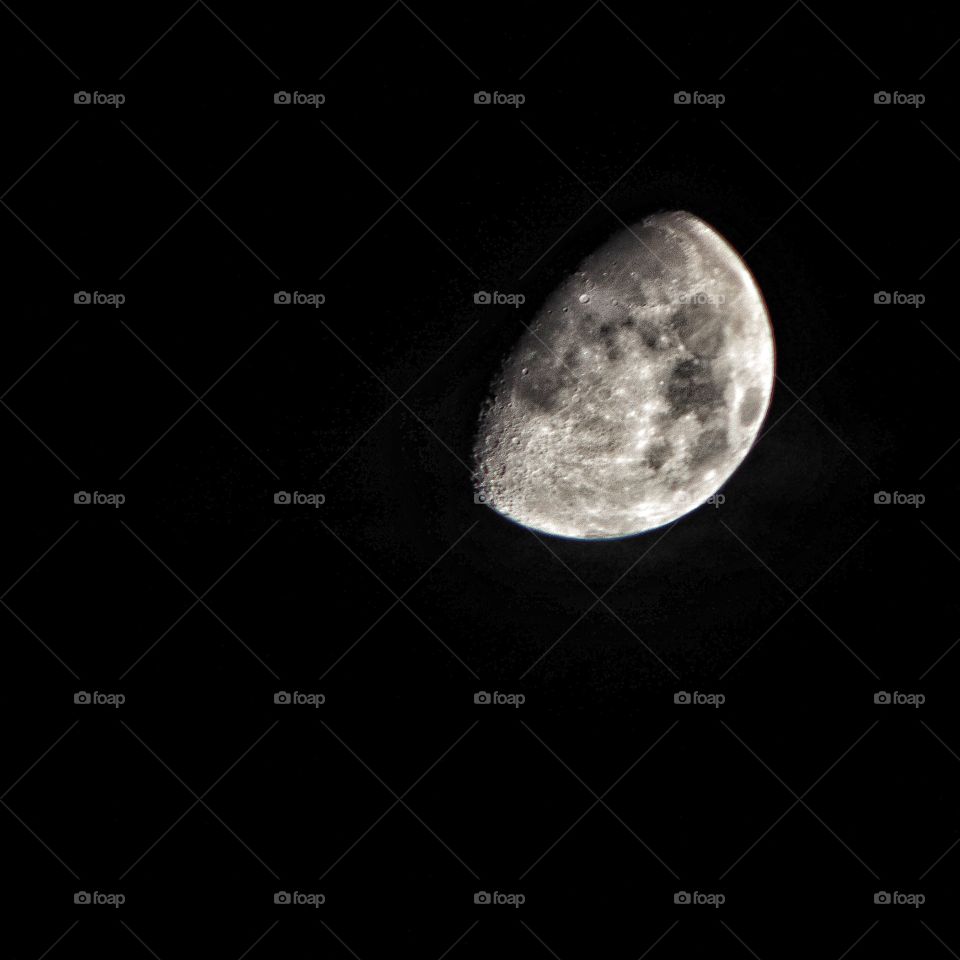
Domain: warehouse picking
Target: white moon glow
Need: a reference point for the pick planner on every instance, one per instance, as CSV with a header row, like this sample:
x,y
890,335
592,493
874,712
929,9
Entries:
x,y
637,390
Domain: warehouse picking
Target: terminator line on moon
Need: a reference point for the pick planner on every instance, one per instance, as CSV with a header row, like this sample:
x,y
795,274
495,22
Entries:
x,y
637,390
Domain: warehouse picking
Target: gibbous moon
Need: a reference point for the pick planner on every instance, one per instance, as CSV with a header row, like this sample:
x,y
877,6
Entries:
x,y
637,390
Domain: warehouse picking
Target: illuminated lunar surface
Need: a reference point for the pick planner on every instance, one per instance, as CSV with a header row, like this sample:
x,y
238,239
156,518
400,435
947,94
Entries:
x,y
636,391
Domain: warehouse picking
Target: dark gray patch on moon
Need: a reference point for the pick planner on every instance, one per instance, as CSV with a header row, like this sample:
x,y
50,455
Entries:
x,y
750,405
658,453
693,389
709,445
538,390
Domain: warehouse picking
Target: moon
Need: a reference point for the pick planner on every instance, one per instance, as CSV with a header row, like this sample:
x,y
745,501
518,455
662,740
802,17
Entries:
x,y
636,391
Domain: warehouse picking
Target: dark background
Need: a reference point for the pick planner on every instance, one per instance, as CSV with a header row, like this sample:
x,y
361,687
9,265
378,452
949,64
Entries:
x,y
797,599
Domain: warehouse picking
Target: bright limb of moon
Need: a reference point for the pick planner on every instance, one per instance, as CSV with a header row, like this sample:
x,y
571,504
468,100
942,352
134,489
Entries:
x,y
637,390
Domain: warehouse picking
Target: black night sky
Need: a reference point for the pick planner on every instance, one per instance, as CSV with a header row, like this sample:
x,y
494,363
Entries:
x,y
599,801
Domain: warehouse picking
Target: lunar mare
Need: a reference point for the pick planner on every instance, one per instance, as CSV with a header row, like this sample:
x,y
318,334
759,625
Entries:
x,y
636,391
